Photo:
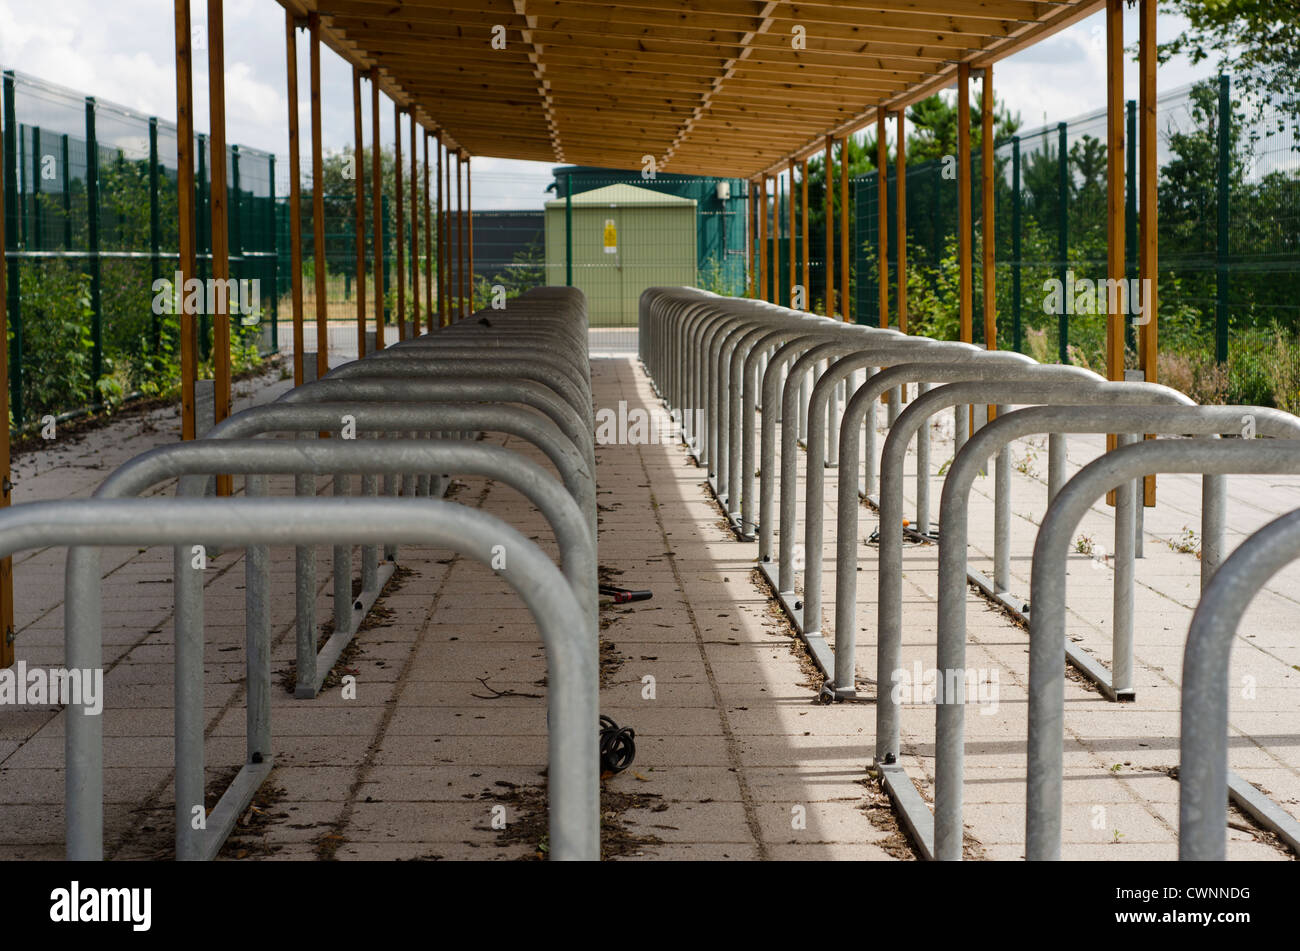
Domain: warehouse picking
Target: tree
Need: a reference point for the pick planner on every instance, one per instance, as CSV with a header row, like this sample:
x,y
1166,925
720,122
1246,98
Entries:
x,y
1257,40
1261,229
340,188
933,136
935,122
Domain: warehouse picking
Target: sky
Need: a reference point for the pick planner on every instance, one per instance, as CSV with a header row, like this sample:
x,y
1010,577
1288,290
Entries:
x,y
127,58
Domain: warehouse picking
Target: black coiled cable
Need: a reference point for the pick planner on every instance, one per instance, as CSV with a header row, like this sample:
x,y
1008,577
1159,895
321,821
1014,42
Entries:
x,y
617,749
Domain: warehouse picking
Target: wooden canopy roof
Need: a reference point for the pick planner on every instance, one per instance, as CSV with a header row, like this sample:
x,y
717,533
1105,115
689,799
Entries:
x,y
707,87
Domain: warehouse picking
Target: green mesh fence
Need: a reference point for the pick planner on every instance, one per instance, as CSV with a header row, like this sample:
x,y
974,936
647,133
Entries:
x,y
1229,230
91,226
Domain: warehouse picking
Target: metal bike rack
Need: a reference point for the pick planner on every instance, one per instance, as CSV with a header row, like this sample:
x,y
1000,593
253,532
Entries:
x,y
718,338
570,643
438,365
1205,783
743,448
435,384
514,337
1059,385
452,389
1048,585
704,381
816,450
778,370
783,579
740,400
1102,410
449,364
960,367
257,457
730,359
842,679
405,390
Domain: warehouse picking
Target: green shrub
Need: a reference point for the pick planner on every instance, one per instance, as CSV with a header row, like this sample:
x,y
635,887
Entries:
x,y
55,311
1249,375
1282,364
1194,373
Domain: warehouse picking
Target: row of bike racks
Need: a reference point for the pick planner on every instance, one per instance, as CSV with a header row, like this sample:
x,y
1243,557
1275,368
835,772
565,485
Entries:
x,y
405,421
736,368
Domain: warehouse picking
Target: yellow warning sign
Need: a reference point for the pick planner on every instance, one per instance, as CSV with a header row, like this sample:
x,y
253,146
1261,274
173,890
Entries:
x,y
611,237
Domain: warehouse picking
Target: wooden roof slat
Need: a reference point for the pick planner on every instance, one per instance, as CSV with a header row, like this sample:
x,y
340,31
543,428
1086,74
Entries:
x,y
710,86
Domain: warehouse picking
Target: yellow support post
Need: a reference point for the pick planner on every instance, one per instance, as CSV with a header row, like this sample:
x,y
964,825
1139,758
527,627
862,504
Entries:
x,y
762,238
317,203
377,211
469,229
442,236
882,214
900,188
359,171
803,205
220,223
428,245
400,262
415,234
1148,235
185,206
966,305
830,226
460,238
987,218
846,274
793,274
1115,263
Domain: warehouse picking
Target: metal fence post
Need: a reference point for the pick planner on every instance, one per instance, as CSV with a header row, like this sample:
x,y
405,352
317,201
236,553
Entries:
x,y
23,217
203,232
67,196
13,272
155,229
568,229
6,564
1221,250
92,231
34,238
386,215
272,247
238,266
1131,212
1063,237
1017,341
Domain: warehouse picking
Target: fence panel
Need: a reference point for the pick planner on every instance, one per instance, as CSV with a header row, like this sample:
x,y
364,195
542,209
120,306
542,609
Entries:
x,y
92,230
1229,266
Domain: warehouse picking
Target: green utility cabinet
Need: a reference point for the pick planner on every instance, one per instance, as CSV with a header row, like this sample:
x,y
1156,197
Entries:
x,y
624,239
